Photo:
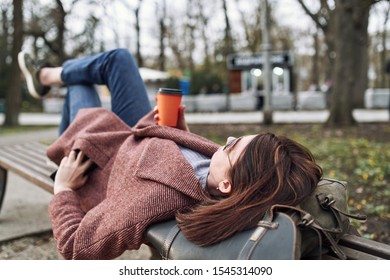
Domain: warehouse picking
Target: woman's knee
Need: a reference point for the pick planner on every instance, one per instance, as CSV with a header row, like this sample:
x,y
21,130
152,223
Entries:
x,y
122,55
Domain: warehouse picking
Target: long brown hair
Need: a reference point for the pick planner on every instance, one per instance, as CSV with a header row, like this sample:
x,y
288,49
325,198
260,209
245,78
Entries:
x,y
271,170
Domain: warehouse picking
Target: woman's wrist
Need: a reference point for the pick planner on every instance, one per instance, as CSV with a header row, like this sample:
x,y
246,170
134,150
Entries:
x,y
61,188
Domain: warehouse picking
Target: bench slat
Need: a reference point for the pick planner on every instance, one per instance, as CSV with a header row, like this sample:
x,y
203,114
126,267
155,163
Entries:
x,y
28,171
363,244
19,159
40,148
35,150
26,158
353,254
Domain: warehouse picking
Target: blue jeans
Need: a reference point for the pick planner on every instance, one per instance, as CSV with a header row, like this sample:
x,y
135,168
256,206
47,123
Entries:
x,y
118,71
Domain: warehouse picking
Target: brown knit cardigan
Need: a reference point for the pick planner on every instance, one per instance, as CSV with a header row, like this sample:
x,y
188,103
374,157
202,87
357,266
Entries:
x,y
141,178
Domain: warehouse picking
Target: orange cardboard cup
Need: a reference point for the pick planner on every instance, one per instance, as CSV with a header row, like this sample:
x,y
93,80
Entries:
x,y
168,102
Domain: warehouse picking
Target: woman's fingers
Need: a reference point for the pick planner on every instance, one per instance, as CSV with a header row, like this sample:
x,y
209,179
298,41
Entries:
x,y
156,117
79,157
182,124
83,162
71,174
87,164
72,155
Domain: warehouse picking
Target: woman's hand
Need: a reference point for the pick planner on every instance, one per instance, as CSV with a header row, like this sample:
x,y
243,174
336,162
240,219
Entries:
x,y
181,121
70,174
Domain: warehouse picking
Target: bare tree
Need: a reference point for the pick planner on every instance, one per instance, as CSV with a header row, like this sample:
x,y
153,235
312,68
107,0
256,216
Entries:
x,y
161,13
180,33
41,26
383,58
251,24
204,19
112,22
85,41
190,30
228,38
175,35
351,63
136,10
315,75
345,26
138,55
5,49
50,26
324,19
14,91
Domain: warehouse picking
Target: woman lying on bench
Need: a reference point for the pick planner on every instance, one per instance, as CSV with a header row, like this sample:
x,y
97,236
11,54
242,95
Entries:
x,y
145,173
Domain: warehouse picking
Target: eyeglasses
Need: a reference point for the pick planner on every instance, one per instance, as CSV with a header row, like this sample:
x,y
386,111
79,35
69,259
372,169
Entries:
x,y
230,146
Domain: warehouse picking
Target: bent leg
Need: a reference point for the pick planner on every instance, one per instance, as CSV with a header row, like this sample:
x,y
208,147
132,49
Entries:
x,y
78,97
118,70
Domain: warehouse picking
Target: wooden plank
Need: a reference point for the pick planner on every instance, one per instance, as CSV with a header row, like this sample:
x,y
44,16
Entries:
x,y
11,163
369,246
23,157
36,149
353,254
41,179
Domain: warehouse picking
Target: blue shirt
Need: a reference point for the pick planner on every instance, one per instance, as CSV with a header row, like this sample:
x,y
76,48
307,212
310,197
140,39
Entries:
x,y
199,162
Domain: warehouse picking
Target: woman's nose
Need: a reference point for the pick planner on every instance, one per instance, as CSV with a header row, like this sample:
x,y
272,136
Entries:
x,y
229,139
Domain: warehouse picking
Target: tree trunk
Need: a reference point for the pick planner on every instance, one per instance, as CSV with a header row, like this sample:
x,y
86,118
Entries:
x,y
163,33
361,44
139,57
14,97
383,57
5,51
58,44
330,30
315,73
350,69
324,18
228,49
190,26
204,20
228,39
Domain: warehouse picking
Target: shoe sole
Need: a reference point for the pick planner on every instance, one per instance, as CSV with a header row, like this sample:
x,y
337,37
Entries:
x,y
28,76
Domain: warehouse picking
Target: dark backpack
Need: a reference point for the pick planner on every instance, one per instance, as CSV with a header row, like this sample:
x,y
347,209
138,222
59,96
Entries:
x,y
302,232
322,219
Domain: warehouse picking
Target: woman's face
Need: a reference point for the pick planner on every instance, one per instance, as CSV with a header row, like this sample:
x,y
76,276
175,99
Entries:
x,y
222,161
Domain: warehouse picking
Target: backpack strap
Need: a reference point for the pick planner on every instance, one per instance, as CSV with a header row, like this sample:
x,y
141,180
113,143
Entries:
x,y
257,235
306,220
328,202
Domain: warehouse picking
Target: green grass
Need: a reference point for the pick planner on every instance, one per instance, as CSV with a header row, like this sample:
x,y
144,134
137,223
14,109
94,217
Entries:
x,y
363,163
22,129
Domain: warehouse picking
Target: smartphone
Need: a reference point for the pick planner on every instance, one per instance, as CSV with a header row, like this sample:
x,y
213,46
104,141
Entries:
x,y
90,169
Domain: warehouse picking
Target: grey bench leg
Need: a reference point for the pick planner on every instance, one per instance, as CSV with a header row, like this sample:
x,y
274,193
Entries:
x,y
3,183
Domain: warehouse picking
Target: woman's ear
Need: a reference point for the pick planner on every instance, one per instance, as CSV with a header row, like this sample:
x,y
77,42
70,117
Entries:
x,y
225,187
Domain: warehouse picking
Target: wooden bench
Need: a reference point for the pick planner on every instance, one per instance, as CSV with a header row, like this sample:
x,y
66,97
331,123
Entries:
x,y
30,162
